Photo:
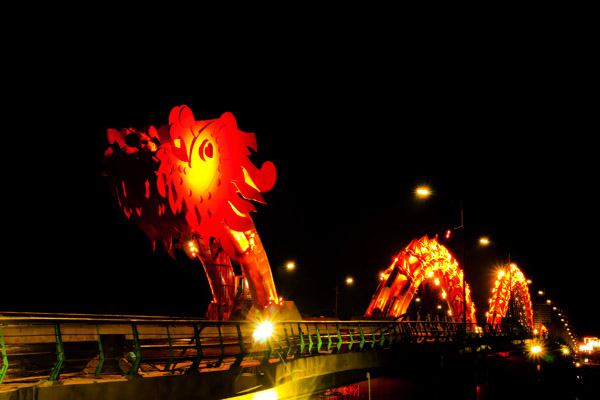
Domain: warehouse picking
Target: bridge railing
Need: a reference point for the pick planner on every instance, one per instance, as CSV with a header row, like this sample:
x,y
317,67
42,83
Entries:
x,y
43,347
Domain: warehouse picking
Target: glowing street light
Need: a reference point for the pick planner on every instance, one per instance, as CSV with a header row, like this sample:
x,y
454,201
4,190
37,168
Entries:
x,y
484,241
536,349
349,281
290,265
423,191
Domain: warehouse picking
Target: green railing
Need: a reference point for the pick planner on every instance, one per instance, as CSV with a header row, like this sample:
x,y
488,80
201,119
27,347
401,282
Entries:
x,y
51,347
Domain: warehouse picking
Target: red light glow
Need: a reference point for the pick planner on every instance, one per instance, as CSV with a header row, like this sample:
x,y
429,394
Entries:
x,y
192,181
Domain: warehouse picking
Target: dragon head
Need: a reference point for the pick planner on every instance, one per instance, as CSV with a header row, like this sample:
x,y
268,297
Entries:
x,y
188,178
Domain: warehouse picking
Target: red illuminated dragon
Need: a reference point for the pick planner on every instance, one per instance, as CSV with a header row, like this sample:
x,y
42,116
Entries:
x,y
190,182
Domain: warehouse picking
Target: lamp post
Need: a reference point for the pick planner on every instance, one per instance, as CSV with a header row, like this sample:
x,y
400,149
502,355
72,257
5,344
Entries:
x,y
424,192
349,281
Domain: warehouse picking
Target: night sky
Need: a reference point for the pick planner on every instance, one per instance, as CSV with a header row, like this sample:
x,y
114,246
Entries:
x,y
352,131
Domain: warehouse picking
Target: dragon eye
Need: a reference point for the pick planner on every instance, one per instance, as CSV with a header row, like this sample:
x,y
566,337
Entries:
x,y
206,150
179,149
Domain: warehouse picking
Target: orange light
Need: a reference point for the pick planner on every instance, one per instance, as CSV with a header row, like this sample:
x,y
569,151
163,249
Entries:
x,y
423,191
510,280
194,176
423,259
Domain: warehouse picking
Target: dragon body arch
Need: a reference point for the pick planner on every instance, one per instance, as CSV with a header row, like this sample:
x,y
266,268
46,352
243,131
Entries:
x,y
423,259
510,285
189,184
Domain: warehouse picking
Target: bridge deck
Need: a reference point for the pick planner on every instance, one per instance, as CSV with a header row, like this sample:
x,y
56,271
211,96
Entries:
x,y
44,349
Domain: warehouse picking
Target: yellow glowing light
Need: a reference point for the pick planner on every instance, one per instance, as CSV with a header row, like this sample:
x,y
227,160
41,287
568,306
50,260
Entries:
x,y
263,331
349,280
423,191
270,394
437,282
536,349
290,265
484,241
236,211
418,299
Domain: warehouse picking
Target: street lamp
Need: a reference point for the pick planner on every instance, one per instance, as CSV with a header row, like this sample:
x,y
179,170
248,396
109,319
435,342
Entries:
x,y
423,191
290,265
349,281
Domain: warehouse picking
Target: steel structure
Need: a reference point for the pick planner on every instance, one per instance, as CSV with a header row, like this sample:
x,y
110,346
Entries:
x,y
422,260
189,184
55,347
510,288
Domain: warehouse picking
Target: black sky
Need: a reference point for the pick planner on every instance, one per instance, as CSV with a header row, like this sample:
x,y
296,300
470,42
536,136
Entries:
x,y
352,130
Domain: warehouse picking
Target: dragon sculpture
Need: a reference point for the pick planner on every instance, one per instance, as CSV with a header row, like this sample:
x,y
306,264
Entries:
x,y
188,184
511,284
423,259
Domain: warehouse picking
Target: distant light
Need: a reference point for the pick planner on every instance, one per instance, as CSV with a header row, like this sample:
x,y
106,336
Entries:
x,y
418,299
290,265
484,241
565,351
536,349
448,233
349,280
439,306
549,301
541,292
529,281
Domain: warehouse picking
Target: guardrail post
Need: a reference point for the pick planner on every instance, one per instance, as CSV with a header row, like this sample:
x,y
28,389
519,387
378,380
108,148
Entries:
x,y
373,341
382,339
310,341
100,354
60,354
171,354
291,346
240,358
319,341
196,363
339,334
328,337
4,357
302,343
138,352
220,360
361,344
